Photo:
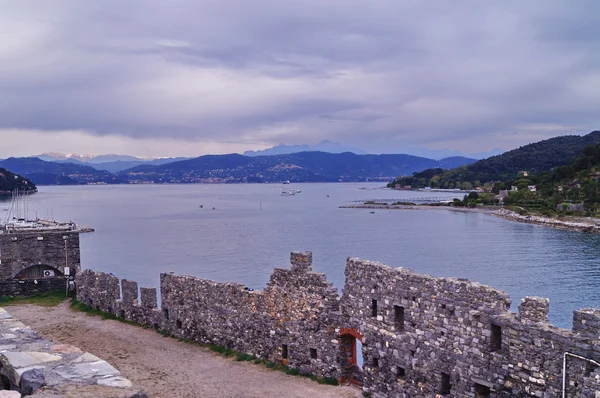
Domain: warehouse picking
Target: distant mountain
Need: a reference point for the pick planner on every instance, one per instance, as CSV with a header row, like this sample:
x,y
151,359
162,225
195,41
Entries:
x,y
53,173
297,167
56,156
323,146
533,158
111,163
455,161
9,182
280,149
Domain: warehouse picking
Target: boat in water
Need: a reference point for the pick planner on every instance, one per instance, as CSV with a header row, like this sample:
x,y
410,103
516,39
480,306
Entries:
x,y
290,192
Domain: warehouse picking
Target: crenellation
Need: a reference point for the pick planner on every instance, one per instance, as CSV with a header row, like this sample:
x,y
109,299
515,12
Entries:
x,y
130,292
301,261
148,296
534,309
421,336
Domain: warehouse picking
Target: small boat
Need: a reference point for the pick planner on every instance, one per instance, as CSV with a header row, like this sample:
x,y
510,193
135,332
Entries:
x,y
286,182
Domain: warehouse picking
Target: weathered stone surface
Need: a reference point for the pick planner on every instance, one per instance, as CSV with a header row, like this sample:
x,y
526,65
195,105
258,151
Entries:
x,y
31,381
23,359
421,336
36,367
86,370
10,394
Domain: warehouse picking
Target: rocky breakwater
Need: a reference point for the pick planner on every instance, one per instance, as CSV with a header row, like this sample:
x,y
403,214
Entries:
x,y
574,224
31,365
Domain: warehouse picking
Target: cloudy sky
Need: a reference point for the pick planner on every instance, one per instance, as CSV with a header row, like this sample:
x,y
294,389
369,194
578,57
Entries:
x,y
189,77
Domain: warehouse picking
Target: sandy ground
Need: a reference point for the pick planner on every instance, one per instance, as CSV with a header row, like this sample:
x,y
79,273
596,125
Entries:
x,y
164,367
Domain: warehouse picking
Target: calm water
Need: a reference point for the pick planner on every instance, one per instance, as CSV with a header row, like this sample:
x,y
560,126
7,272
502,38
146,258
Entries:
x,y
147,229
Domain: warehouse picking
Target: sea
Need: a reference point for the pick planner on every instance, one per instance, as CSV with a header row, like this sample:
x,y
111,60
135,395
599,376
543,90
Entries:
x,y
240,232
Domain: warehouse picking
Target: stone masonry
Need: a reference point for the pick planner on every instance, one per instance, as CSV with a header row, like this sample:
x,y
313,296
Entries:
x,y
33,366
24,256
421,336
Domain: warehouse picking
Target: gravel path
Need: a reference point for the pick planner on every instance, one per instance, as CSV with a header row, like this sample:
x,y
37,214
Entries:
x,y
164,367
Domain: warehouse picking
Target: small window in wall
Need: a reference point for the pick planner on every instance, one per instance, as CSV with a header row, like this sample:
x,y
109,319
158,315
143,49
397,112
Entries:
x,y
446,386
399,317
166,313
284,351
373,308
375,363
178,324
400,373
496,338
482,391
313,353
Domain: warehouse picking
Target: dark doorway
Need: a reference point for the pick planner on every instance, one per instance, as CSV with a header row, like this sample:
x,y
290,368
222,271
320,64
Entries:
x,y
350,357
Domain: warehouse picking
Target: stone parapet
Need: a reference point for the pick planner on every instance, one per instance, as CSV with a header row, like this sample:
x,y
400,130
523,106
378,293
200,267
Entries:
x,y
32,365
422,336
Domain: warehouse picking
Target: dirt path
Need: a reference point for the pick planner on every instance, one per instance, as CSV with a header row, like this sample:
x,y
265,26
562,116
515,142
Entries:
x,y
164,367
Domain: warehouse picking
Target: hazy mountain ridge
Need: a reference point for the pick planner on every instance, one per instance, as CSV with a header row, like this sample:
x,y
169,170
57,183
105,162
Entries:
x,y
111,163
323,146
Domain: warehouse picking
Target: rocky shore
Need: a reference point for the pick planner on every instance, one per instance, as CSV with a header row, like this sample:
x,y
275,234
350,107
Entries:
x,y
579,224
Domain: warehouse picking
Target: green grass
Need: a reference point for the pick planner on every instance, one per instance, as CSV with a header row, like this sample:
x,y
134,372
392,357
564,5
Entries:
x,y
223,351
51,299
80,307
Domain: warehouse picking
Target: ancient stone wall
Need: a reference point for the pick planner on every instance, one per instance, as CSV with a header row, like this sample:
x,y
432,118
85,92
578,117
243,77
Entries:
x,y
427,336
292,321
53,250
421,336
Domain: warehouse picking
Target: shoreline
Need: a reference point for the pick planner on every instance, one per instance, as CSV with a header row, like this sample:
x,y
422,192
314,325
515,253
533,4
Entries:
x,y
578,224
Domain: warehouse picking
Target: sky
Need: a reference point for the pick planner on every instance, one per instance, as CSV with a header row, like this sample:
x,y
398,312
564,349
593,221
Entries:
x,y
190,77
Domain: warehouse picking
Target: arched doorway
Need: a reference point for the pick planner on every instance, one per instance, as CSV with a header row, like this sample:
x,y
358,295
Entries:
x,y
38,272
351,359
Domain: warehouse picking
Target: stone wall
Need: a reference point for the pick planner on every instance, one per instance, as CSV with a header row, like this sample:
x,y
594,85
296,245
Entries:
x,y
422,336
26,288
19,251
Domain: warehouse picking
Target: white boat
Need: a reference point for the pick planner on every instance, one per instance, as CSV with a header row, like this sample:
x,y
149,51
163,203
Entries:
x,y
286,182
290,192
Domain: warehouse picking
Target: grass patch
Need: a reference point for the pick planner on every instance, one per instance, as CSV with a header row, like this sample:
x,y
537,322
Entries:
x,y
51,299
80,307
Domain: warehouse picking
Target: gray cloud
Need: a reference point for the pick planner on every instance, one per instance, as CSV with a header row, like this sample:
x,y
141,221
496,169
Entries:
x,y
382,75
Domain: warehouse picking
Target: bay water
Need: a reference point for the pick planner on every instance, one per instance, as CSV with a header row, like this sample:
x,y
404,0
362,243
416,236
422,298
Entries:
x,y
240,232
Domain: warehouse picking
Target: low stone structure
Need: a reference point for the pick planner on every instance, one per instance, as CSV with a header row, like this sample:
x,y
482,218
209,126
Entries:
x,y
30,365
421,336
34,261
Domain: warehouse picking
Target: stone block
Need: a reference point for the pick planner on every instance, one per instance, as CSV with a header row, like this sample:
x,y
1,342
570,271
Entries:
x,y
301,261
31,381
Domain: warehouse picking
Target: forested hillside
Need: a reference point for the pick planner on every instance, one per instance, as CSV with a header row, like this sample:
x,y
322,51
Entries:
x,y
10,182
533,158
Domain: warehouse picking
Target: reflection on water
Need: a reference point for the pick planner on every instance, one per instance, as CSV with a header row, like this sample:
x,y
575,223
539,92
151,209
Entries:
x,y
144,230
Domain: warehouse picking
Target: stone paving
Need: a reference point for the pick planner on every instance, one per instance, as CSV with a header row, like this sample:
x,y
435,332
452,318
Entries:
x,y
30,365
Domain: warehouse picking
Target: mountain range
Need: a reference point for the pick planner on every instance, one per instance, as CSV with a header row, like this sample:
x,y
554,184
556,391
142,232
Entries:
x,y
112,163
299,167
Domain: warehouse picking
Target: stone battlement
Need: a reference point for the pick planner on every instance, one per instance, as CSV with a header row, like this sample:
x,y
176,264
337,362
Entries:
x,y
421,336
